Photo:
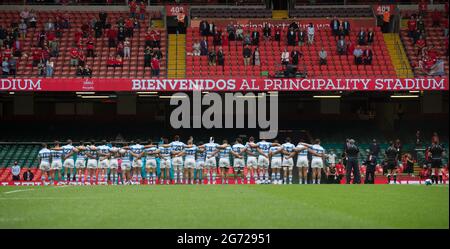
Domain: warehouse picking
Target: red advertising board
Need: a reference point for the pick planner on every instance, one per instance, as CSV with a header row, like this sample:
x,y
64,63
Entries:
x,y
174,9
225,84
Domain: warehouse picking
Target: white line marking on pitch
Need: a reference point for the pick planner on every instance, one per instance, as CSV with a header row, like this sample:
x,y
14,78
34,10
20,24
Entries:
x,y
20,190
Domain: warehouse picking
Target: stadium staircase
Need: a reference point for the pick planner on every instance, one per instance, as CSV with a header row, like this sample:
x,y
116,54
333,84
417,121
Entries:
x,y
176,66
280,14
398,55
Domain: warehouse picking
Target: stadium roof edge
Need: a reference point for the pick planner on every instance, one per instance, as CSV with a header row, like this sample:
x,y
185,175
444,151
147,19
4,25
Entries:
x,y
74,8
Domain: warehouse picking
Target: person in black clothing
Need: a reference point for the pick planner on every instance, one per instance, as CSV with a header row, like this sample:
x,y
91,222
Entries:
x,y
352,152
301,35
295,56
362,37
103,16
391,162
370,163
291,37
344,154
436,151
332,177
409,164
370,36
220,57
374,148
28,175
335,25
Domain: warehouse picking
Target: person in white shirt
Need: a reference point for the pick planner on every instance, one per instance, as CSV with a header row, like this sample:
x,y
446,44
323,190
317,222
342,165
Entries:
x,y
252,162
44,162
302,162
224,151
189,161
103,161
285,57
238,150
69,163
15,170
137,151
196,48
310,32
165,161
126,48
56,166
288,162
263,148
275,156
177,148
151,151
318,155
210,162
114,163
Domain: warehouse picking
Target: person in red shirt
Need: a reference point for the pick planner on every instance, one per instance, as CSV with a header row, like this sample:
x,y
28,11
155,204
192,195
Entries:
x,y
148,38
118,61
142,10
412,26
111,61
90,47
74,57
81,58
7,53
129,25
119,49
420,44
37,56
77,37
155,66
156,38
112,37
436,18
133,7
340,171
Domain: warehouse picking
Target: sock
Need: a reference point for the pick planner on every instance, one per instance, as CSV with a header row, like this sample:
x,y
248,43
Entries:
x,y
395,178
318,180
277,176
89,178
285,180
303,180
214,177
266,175
440,179
248,177
181,178
148,177
77,177
290,178
43,178
389,178
68,177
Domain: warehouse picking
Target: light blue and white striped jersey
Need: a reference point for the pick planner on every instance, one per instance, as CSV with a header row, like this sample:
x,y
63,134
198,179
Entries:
x,y
201,154
273,149
254,151
225,152
210,148
103,149
318,149
238,148
150,150
137,148
302,153
177,146
125,155
264,146
67,149
44,155
288,147
114,152
190,152
165,152
93,153
56,155
81,154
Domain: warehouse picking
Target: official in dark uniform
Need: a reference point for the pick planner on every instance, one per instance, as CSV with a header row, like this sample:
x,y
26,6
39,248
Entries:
x,y
352,153
370,163
436,151
391,154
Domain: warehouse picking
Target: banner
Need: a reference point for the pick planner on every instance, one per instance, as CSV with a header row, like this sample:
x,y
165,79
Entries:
x,y
173,10
381,8
224,84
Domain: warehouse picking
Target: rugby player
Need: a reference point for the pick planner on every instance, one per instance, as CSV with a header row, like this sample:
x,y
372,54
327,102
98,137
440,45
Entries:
x,y
44,156
177,148
200,164
136,150
103,162
436,151
391,162
69,164
125,156
252,162
302,161
263,148
318,155
189,161
80,163
210,162
165,162
56,166
114,163
151,151
92,163
224,151
238,150
275,155
288,161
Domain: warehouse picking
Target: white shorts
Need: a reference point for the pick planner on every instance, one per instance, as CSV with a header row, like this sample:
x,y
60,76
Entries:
x,y
288,163
238,163
302,162
68,163
224,162
137,163
103,164
150,163
276,162
91,164
164,163
200,164
211,162
45,166
126,165
56,165
317,163
263,162
113,163
80,163
189,163
177,162
252,162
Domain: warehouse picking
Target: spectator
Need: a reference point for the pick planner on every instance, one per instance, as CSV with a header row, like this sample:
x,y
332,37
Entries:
x,y
211,28
421,25
239,33
294,26
13,66
142,10
129,27
346,27
196,48
98,29
84,71
340,34
41,68
156,38
33,19
295,56
3,34
157,53
301,37
291,37
357,53
90,48
322,57
15,170
247,39
121,34
255,37
278,35
217,38
341,46
147,57
36,56
54,49
335,25
112,37
127,48
386,21
74,57
412,26
204,47
23,29
204,28
370,36
423,7
133,7
367,56
49,67
247,53
25,15
181,22
155,66
362,37
438,68
28,175
102,16
118,61
310,33
5,68
436,18
256,57
420,44
267,32
285,57
231,31
220,57
17,48
212,58
49,25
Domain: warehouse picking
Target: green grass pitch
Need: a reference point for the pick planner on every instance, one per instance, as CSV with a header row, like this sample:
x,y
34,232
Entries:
x,y
225,206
